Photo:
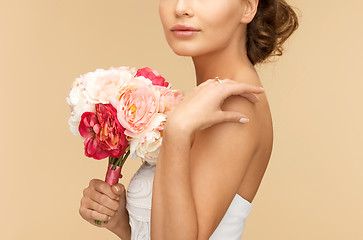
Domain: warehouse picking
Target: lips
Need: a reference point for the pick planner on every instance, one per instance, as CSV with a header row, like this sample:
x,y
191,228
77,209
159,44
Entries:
x,y
180,27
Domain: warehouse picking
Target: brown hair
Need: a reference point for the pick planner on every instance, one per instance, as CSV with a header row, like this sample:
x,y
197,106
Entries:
x,y
274,22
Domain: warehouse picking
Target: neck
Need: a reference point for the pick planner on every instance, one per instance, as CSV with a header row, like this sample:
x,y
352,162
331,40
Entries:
x,y
228,62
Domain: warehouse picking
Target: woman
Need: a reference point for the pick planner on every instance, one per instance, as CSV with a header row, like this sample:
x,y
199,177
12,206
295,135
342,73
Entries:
x,y
211,162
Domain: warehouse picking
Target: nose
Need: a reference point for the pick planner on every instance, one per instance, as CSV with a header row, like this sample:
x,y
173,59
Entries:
x,y
183,8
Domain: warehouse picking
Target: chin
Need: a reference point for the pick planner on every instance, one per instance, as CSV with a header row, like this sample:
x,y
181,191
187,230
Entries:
x,y
187,51
183,52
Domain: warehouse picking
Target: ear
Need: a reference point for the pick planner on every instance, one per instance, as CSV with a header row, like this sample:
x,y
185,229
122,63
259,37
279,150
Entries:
x,y
250,9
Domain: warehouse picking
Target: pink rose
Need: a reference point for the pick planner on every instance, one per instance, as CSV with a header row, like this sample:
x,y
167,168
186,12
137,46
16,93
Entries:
x,y
137,106
153,75
103,132
169,99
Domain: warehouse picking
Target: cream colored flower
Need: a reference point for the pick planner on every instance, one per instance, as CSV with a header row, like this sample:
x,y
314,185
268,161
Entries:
x,y
95,87
78,105
148,145
101,86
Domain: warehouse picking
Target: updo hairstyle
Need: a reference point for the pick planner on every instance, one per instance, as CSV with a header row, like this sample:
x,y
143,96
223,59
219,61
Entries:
x,y
272,25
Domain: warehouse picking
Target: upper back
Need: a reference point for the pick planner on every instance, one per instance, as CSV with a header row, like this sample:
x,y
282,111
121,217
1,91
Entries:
x,y
259,163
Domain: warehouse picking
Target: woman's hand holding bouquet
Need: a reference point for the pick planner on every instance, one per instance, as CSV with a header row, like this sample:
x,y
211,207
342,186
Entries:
x,y
118,112
105,203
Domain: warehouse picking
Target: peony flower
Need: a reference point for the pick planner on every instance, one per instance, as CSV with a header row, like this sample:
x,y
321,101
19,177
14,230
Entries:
x,y
112,137
101,86
78,105
153,75
169,99
148,145
137,106
89,127
103,133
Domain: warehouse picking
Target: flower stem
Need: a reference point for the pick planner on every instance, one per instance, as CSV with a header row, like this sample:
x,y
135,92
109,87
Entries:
x,y
121,160
116,162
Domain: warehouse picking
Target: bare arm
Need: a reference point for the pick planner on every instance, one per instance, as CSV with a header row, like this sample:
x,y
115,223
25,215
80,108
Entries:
x,y
182,207
173,210
123,232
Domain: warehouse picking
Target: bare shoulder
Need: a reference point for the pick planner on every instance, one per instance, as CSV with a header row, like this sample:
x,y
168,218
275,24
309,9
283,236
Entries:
x,y
259,113
262,132
220,160
259,129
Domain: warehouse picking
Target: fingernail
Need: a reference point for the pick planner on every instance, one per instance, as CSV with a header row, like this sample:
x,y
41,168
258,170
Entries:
x,y
244,120
109,217
118,189
262,88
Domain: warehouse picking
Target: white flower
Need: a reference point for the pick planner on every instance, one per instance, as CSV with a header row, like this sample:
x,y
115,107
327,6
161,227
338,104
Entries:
x,y
75,119
78,105
148,145
101,86
95,87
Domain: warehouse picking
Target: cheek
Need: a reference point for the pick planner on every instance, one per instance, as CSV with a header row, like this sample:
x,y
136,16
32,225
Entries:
x,y
166,13
166,21
161,15
220,30
220,20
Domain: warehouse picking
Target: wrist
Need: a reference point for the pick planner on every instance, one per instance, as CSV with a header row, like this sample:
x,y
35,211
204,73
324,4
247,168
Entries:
x,y
178,133
123,231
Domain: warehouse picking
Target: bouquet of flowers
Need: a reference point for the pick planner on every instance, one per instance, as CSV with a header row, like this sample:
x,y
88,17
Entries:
x,y
121,112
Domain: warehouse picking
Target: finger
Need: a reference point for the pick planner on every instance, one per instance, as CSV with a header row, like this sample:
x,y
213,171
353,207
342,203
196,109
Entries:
x,y
104,188
105,200
244,90
230,116
99,208
251,97
122,200
211,80
250,88
94,215
245,86
118,189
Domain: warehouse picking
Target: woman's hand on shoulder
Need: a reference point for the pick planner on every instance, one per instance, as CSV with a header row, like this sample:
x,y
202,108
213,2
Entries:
x,y
201,108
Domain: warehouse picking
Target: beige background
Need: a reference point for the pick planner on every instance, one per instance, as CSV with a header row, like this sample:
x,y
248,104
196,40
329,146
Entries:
x,y
312,188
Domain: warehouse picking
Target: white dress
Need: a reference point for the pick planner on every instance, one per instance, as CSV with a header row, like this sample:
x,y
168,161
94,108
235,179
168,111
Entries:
x,y
139,195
